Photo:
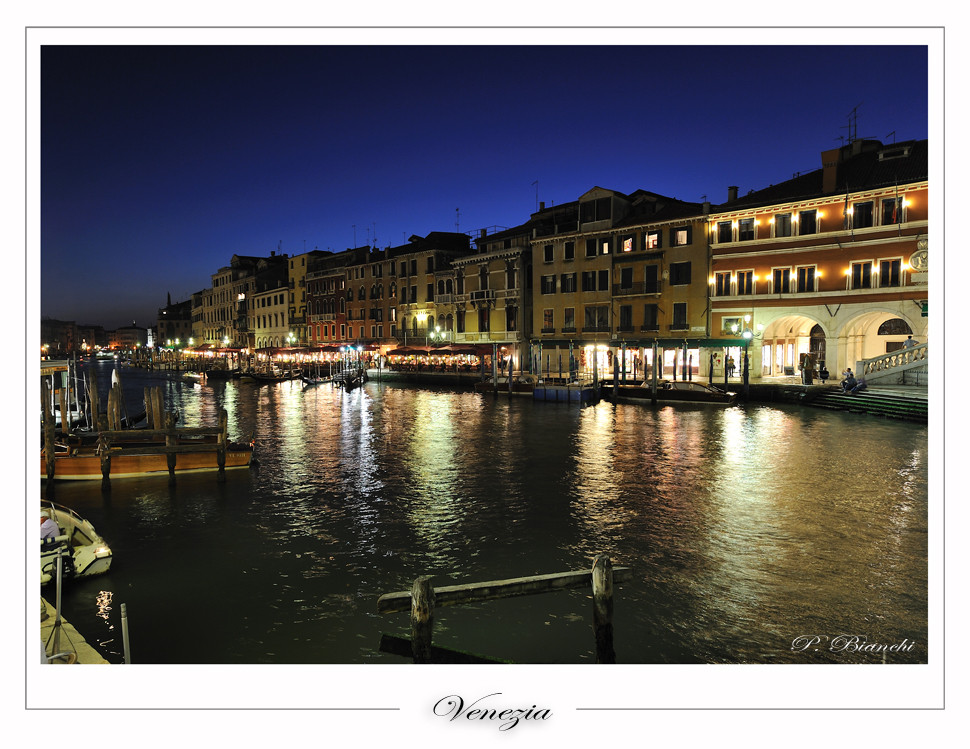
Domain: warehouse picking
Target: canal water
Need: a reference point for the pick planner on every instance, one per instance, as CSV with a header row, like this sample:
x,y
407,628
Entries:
x,y
744,528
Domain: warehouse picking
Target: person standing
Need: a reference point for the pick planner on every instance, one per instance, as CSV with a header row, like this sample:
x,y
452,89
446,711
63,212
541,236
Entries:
x,y
909,342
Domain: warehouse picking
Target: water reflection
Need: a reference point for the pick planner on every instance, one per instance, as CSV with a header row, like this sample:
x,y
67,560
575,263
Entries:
x,y
744,527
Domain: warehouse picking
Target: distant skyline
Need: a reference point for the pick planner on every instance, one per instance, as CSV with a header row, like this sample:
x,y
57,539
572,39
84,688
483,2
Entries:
x,y
158,163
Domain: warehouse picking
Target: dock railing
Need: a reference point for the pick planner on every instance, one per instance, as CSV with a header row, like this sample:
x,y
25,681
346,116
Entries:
x,y
423,599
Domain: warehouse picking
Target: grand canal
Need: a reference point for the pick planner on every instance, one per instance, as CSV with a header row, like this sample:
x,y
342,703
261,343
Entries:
x,y
745,528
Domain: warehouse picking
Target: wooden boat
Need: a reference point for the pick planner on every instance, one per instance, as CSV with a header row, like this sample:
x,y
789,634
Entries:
x,y
85,552
275,375
143,453
350,379
672,391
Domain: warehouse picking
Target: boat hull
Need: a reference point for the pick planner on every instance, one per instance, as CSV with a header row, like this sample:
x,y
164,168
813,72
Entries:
x,y
86,553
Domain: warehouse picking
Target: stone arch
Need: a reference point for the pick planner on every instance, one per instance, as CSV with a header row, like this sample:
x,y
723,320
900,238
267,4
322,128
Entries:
x,y
859,337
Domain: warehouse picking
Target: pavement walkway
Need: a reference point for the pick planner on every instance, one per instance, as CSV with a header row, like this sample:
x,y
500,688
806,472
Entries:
x,y
69,639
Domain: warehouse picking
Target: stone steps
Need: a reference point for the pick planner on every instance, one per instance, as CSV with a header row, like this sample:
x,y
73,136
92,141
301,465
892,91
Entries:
x,y
892,406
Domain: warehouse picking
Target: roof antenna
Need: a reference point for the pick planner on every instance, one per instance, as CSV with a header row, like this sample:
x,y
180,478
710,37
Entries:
x,y
457,216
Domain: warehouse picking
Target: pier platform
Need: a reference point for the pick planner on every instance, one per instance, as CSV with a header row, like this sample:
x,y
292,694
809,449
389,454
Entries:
x,y
70,640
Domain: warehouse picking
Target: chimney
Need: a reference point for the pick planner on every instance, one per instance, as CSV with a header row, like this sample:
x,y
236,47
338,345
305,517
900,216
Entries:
x,y
542,205
732,193
830,170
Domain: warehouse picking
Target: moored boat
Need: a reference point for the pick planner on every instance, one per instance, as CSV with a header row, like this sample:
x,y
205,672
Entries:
x,y
682,391
85,552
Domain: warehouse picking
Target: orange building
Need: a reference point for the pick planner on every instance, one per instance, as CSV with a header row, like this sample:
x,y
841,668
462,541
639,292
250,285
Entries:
x,y
832,263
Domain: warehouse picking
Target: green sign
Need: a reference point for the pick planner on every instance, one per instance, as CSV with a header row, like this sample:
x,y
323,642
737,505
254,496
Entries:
x,y
924,304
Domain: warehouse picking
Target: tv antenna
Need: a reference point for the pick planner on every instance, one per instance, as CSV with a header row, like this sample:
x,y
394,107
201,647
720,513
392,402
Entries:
x,y
457,217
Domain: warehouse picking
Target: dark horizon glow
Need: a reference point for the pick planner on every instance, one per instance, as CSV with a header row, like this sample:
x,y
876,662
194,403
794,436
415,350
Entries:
x,y
158,163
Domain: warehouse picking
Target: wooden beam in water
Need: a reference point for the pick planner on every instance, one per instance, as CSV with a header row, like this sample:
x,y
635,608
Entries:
x,y
453,595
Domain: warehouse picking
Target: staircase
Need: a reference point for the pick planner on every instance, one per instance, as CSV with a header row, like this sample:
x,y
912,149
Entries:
x,y
905,366
890,405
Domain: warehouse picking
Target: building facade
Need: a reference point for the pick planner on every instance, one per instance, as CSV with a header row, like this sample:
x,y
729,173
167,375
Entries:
x,y
831,264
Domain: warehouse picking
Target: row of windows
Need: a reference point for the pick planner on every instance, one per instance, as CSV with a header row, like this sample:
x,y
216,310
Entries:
x,y
859,215
646,241
596,318
599,280
864,274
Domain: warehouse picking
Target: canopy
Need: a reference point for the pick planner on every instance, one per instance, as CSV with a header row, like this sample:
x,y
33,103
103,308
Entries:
x,y
406,350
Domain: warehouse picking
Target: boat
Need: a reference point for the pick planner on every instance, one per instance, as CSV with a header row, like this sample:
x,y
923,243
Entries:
x,y
85,552
315,379
138,453
275,375
218,373
679,391
350,379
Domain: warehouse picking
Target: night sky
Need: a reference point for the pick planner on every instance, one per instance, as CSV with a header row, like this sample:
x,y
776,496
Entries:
x,y
158,163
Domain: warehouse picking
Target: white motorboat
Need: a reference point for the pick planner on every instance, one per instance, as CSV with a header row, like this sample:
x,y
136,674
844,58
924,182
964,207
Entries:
x,y
85,552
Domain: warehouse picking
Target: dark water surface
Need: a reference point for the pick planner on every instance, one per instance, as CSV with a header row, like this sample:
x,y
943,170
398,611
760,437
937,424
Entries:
x,y
745,528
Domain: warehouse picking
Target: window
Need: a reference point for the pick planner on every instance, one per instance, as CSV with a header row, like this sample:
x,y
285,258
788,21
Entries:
x,y
862,275
781,280
626,317
626,278
680,237
745,280
414,267
782,224
653,240
730,325
722,284
430,263
569,320
724,233
569,251
483,319
862,215
430,292
895,326
511,317
589,280
604,280
567,283
807,222
746,230
548,320
596,318
548,285
414,295
806,279
404,268
460,320
679,321
889,272
651,279
590,248
679,274
595,210
547,254
892,212
650,319
627,244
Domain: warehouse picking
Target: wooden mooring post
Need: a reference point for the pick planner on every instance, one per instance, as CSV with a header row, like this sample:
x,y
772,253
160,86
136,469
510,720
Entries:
x,y
48,425
423,599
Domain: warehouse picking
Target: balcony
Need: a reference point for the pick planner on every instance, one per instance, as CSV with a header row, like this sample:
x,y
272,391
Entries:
x,y
639,287
597,329
678,326
482,295
547,331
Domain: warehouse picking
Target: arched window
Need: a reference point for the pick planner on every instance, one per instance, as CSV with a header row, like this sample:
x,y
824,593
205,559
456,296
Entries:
x,y
362,293
895,326
441,286
448,286
449,323
343,305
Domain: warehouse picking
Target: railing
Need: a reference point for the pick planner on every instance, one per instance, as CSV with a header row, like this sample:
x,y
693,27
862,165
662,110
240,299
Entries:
x,y
899,361
638,287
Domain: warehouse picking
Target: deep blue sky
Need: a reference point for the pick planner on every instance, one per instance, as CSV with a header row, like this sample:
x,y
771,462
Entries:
x,y
158,163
